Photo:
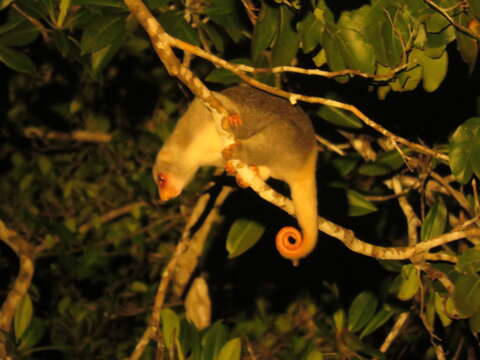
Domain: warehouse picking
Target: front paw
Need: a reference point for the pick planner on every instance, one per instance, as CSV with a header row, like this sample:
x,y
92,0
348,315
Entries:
x,y
242,183
228,153
234,120
229,168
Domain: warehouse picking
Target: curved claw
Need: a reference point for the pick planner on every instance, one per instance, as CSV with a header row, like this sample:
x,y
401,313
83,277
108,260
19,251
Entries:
x,y
234,120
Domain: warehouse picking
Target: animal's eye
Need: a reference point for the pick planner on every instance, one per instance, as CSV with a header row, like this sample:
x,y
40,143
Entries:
x,y
161,179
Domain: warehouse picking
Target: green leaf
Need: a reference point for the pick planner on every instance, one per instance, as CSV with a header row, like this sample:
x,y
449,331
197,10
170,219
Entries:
x,y
63,43
45,164
474,322
335,58
231,350
33,334
380,318
409,282
361,311
434,52
435,221
37,9
5,3
226,14
436,22
374,169
310,30
23,316
339,320
20,33
314,355
26,182
265,29
139,287
464,150
102,31
383,31
101,58
466,45
215,36
475,7
411,77
243,234
213,341
430,310
62,14
391,265
170,327
357,51
106,3
286,44
174,23
64,304
11,24
339,117
437,43
16,60
440,309
358,205
469,262
97,123
434,71
385,163
152,4
345,164
466,295
190,341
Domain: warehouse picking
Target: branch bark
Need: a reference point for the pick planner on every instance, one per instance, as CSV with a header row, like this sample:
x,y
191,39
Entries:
x,y
26,254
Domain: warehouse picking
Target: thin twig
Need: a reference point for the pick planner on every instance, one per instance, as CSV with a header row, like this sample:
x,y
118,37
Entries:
x,y
402,318
436,274
78,135
34,22
112,214
240,69
189,261
476,204
332,74
329,145
251,9
413,222
381,198
459,27
439,352
26,254
153,327
441,257
457,195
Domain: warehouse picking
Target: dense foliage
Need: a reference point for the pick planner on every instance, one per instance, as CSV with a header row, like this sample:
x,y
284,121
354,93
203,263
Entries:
x,y
87,104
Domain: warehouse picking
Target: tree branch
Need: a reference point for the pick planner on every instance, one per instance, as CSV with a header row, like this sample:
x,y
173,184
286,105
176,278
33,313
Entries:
x,y
77,135
445,14
26,254
240,69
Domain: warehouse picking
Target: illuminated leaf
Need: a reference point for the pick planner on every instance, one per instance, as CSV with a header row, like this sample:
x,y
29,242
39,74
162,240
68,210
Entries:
x,y
410,282
361,311
464,150
243,234
23,316
232,350
467,295
435,221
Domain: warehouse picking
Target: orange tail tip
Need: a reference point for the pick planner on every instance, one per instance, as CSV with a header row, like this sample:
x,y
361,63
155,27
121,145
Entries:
x,y
290,244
